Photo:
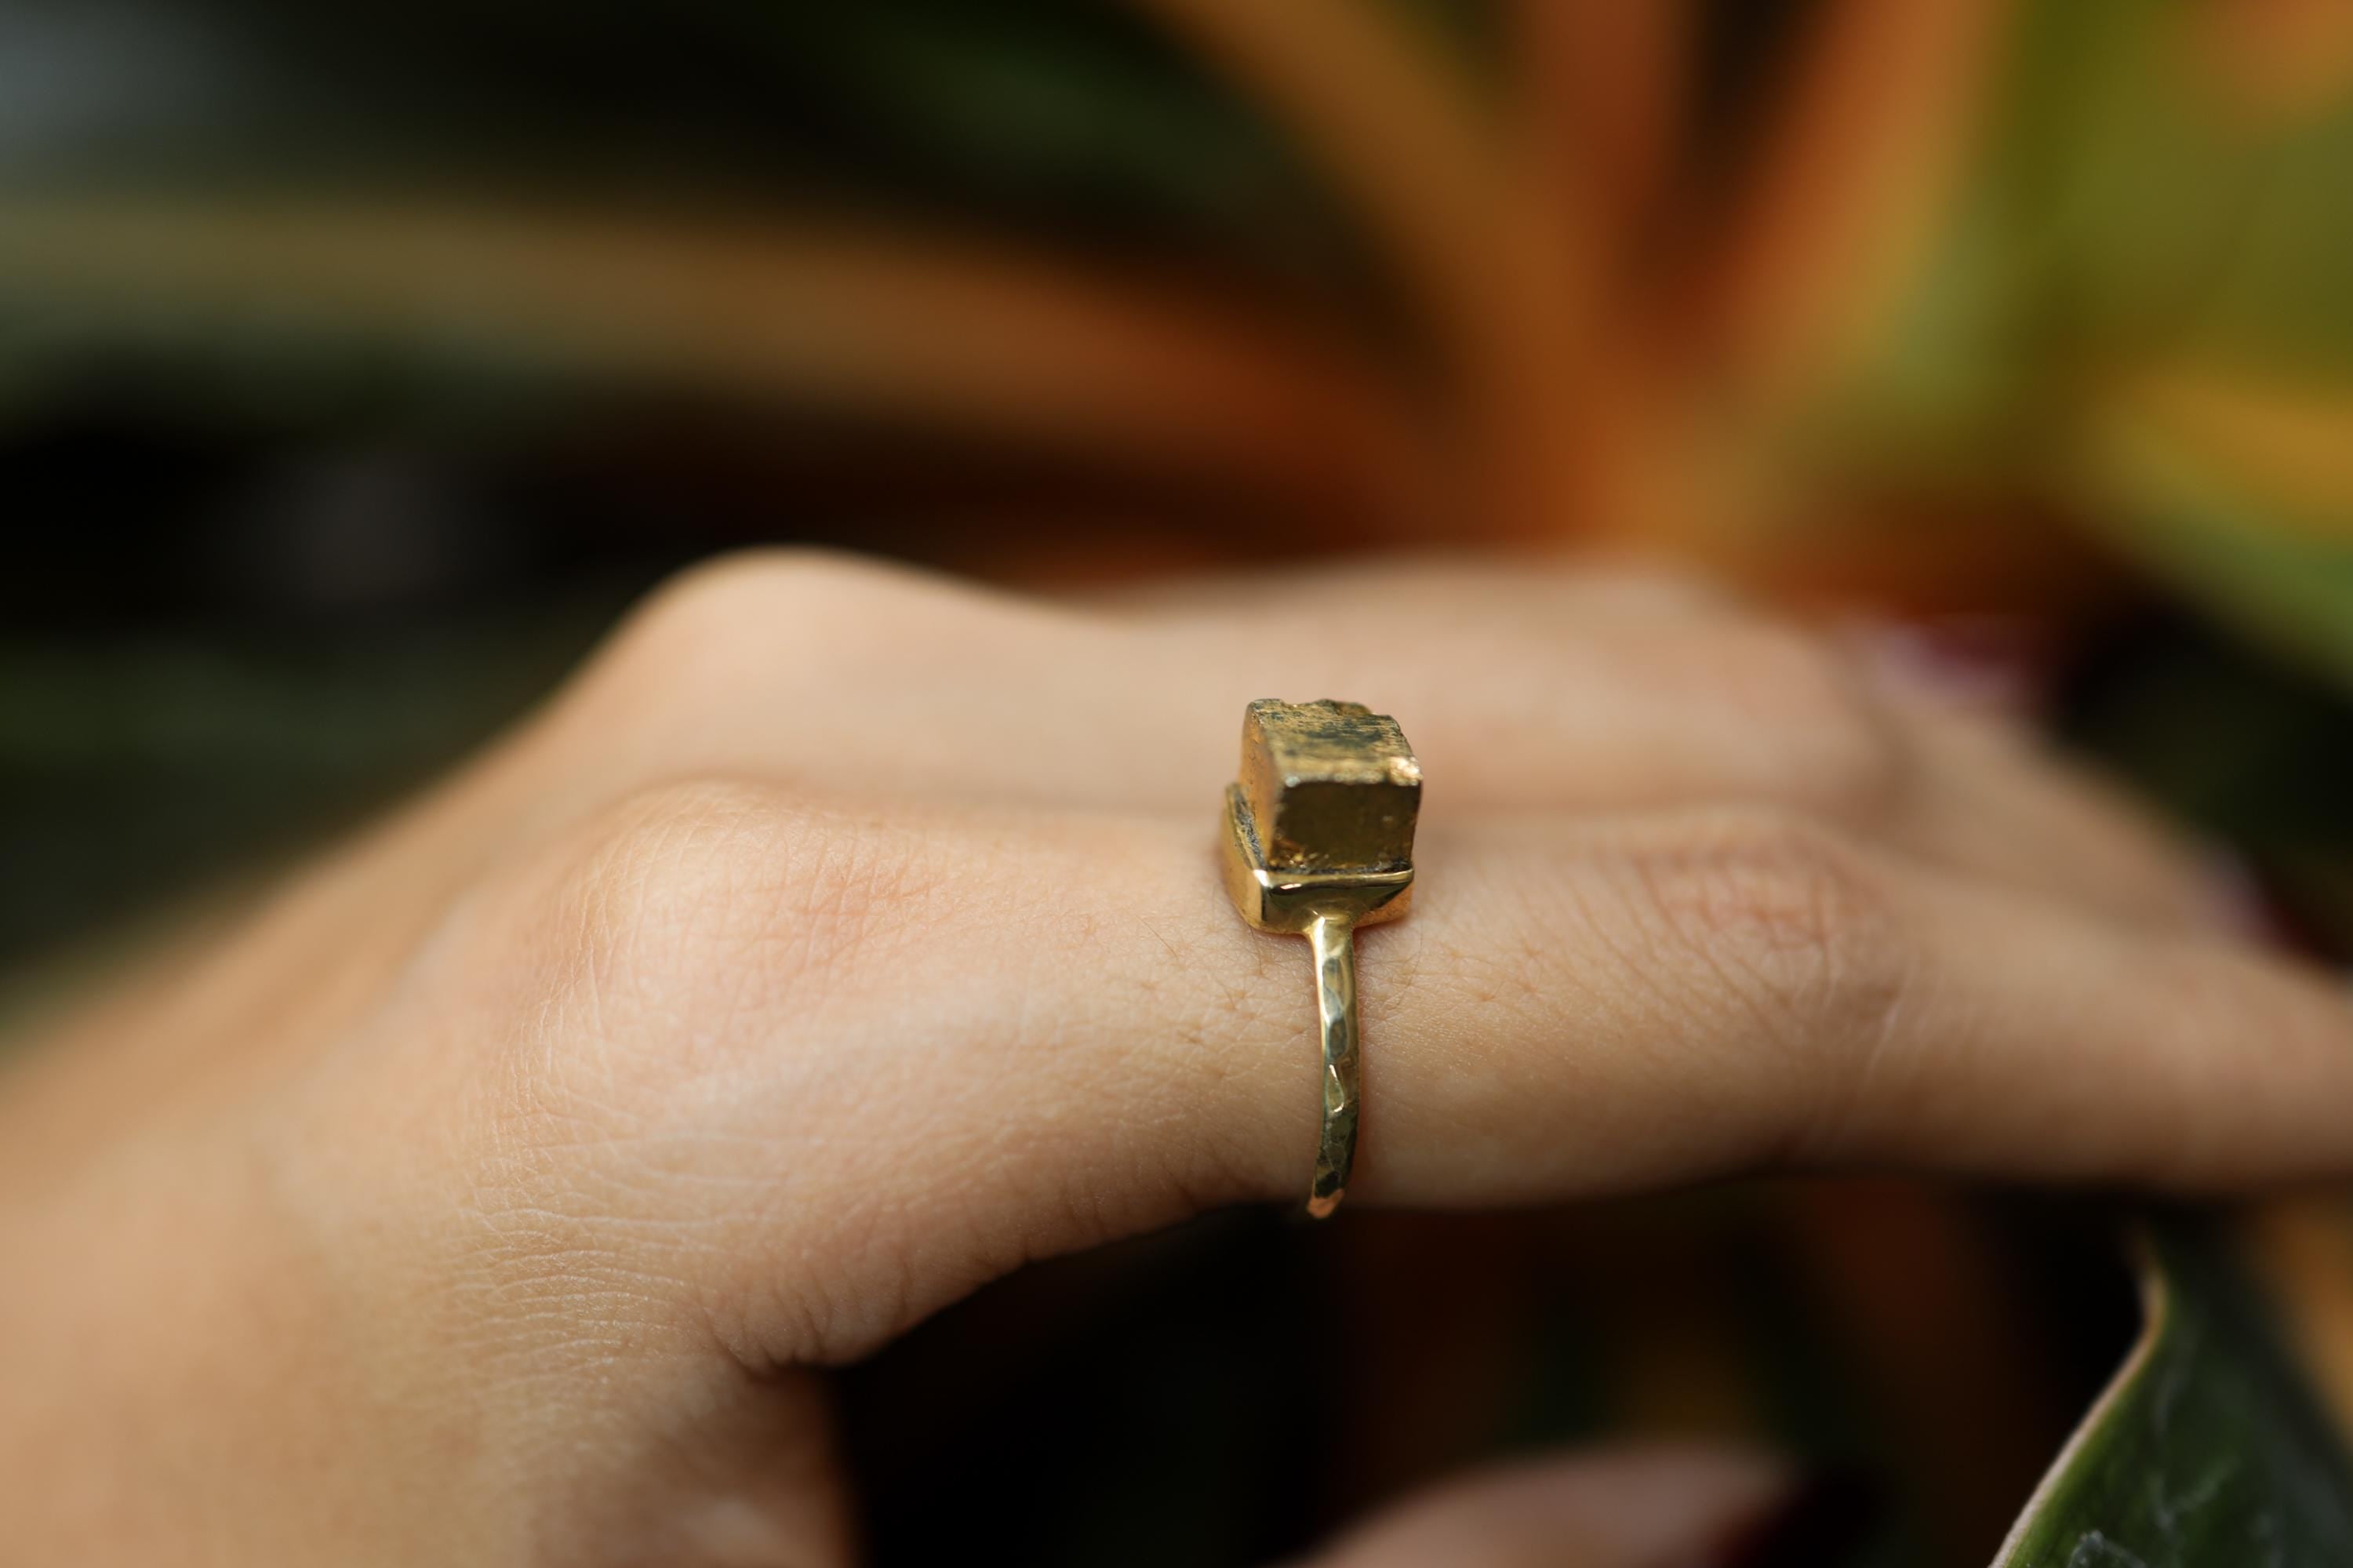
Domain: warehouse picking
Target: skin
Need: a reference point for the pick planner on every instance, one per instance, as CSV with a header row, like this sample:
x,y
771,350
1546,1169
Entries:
x,y
842,939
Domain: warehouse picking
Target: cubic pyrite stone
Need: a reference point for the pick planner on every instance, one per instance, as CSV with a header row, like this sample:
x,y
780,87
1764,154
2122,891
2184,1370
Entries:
x,y
1329,786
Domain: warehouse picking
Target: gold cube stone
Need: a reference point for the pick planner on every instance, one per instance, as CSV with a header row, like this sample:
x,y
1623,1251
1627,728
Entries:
x,y
1329,786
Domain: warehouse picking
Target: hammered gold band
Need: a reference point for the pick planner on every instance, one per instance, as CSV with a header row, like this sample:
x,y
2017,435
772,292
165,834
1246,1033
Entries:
x,y
1333,940
1319,840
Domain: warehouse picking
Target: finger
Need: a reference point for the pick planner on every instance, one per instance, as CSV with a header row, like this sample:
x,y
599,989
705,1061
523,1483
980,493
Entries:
x,y
1521,693
826,674
834,675
1659,1508
1751,987
733,673
1988,798
1988,794
941,1046
1415,589
830,674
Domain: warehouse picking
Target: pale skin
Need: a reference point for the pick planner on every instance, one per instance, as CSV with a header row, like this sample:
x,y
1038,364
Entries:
x,y
501,1190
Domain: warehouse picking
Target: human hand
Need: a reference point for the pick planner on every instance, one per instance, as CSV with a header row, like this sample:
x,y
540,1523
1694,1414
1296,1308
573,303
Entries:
x,y
843,938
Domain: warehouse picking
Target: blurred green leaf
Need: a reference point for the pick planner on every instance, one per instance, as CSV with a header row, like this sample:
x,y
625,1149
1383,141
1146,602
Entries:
x,y
1055,115
2127,212
2222,542
2206,1452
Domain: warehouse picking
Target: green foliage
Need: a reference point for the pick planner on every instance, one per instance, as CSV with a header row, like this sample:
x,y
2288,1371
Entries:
x,y
2207,1451
2128,216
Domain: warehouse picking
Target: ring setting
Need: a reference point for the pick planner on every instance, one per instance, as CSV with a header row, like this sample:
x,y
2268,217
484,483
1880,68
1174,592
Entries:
x,y
1318,840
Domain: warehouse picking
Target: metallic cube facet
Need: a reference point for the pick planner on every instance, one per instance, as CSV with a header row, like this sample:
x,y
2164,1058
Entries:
x,y
1329,786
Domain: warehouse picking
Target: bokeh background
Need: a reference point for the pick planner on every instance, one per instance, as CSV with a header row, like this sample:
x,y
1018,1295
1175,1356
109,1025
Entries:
x,y
359,363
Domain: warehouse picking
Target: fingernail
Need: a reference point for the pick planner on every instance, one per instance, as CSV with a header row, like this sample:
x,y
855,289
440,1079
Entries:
x,y
1829,1515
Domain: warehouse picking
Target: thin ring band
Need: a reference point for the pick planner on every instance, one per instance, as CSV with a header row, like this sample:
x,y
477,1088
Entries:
x,y
1333,941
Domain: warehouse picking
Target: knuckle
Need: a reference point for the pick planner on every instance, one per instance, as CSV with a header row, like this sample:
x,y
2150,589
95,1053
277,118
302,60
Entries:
x,y
636,967
710,888
664,858
752,586
1796,922
741,610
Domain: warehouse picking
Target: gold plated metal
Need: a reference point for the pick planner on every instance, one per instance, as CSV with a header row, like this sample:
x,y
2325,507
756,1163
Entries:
x,y
1319,840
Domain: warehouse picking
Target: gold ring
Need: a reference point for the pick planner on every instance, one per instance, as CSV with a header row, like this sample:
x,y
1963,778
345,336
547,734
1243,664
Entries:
x,y
1319,840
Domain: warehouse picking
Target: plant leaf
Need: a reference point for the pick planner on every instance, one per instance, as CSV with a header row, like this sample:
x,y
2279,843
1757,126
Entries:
x,y
2186,511
2285,449
2207,1451
931,329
